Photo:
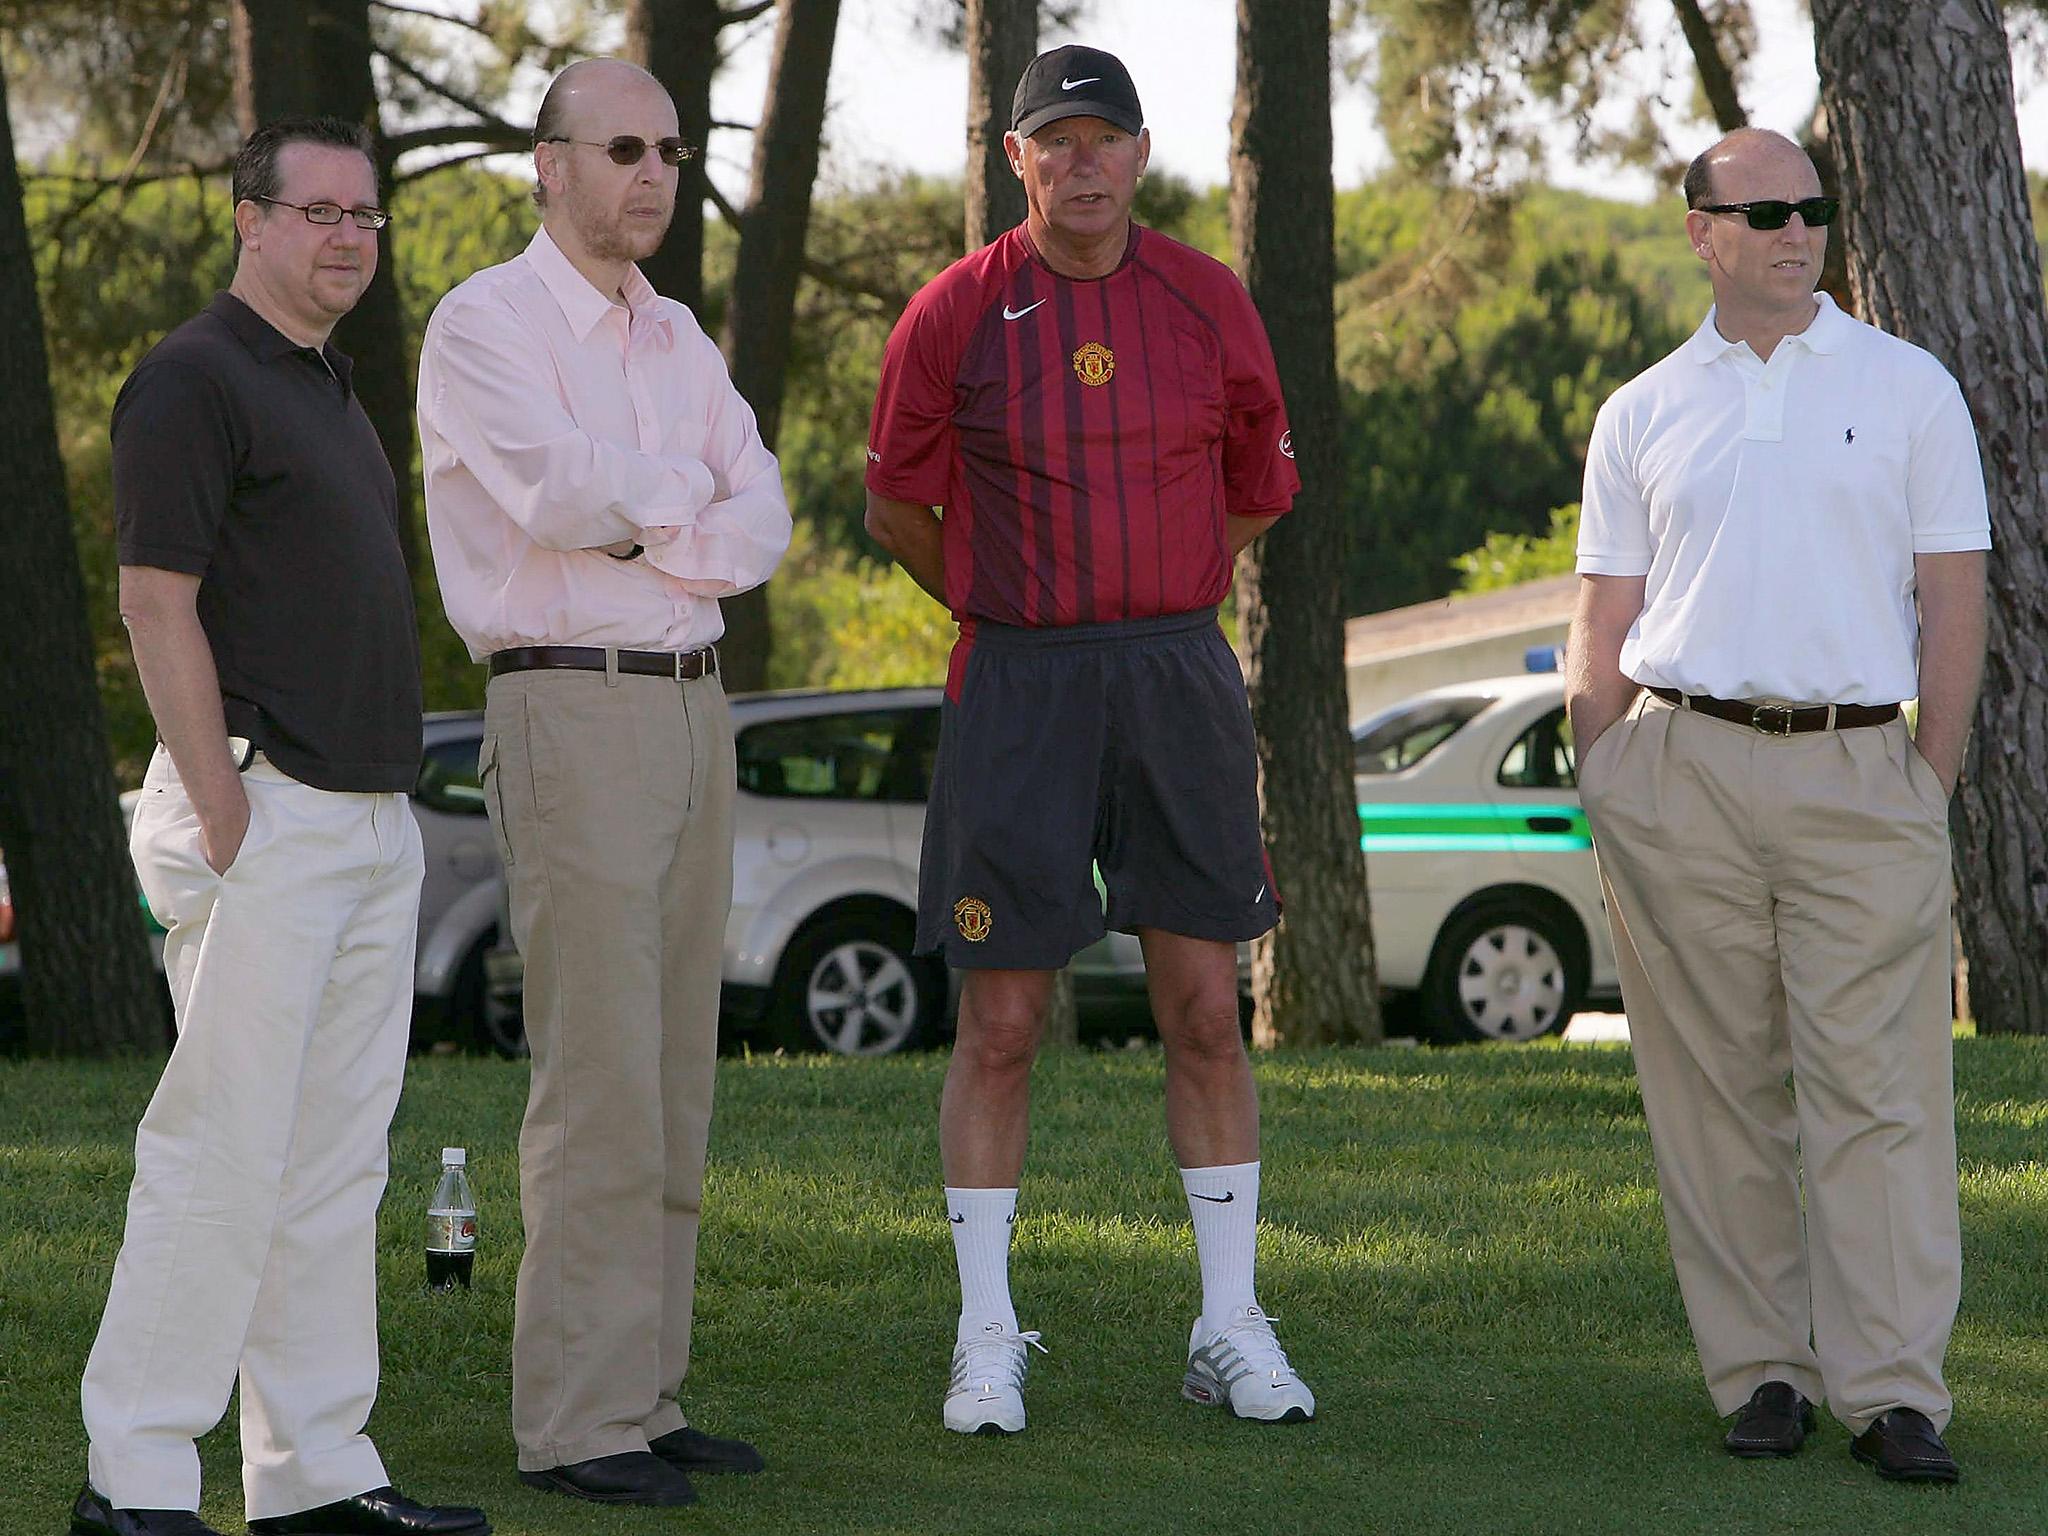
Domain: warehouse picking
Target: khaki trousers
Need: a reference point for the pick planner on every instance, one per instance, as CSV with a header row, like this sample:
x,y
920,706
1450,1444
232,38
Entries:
x,y
1780,910
612,798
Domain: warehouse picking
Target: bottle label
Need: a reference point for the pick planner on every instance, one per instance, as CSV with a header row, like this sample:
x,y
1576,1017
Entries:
x,y
451,1231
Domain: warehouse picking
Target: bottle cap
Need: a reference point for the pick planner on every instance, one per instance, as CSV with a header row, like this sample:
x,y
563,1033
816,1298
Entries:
x,y
454,1157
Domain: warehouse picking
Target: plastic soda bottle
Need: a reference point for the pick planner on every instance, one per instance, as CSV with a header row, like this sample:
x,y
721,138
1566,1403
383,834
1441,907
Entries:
x,y
451,1225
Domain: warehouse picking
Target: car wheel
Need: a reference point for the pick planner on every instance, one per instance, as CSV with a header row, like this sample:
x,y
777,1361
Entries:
x,y
489,1024
850,985
1503,970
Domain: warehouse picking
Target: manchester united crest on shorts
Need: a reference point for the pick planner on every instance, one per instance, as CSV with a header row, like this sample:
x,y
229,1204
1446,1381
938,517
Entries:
x,y
1094,363
973,918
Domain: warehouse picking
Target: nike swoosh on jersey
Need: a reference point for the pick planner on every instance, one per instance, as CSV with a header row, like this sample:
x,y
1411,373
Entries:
x,y
1075,85
1019,314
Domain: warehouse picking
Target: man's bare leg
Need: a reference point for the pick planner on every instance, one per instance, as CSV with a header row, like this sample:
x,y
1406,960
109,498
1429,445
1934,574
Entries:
x,y
984,1123
1212,1121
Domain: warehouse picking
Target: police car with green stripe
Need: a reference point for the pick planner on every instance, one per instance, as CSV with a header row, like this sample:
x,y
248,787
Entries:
x,y
1486,904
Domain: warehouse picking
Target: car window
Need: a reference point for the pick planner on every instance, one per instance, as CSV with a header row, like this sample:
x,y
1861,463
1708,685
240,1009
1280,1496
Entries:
x,y
869,755
1406,735
1542,756
448,780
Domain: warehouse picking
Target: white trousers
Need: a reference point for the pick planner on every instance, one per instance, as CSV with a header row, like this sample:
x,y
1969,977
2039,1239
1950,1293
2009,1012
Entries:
x,y
259,1164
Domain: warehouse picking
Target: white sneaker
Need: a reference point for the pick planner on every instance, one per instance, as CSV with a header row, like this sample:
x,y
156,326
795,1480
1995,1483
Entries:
x,y
986,1396
1245,1369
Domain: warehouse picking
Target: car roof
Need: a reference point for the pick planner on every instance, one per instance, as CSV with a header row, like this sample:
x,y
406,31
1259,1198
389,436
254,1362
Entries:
x,y
1509,688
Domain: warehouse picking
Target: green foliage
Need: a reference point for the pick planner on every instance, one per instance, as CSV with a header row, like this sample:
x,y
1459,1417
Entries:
x,y
844,621
1509,559
1475,343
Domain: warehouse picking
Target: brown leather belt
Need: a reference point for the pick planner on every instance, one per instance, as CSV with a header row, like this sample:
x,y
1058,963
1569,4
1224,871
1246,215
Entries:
x,y
684,666
1782,719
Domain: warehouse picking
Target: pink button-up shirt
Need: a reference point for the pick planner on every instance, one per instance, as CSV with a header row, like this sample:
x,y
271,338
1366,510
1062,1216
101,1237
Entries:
x,y
554,421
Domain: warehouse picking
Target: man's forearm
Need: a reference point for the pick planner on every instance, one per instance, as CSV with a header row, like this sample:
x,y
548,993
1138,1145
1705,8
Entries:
x,y
175,664
1951,657
914,538
1597,693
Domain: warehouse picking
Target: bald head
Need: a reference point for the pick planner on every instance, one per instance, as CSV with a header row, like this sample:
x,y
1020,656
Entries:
x,y
1746,147
583,92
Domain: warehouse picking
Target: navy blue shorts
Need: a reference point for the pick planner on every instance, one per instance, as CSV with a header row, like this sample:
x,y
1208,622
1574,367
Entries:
x,y
1125,748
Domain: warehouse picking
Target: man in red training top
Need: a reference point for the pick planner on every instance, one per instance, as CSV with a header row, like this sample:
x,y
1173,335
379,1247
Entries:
x,y
1093,410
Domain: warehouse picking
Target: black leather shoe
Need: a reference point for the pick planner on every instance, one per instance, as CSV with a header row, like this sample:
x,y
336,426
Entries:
x,y
380,1512
92,1515
1904,1447
691,1450
632,1477
1774,1422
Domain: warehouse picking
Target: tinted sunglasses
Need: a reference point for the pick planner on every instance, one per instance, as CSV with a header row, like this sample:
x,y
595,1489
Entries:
x,y
627,148
1770,213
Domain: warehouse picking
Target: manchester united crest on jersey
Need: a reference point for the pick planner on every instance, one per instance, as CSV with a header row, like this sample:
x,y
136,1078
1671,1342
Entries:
x,y
973,918
1094,363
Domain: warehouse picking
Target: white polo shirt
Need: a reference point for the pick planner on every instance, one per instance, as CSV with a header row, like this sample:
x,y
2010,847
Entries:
x,y
1776,508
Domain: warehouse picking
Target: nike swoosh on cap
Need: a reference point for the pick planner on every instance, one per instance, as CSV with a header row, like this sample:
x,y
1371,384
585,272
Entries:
x,y
1019,314
1075,85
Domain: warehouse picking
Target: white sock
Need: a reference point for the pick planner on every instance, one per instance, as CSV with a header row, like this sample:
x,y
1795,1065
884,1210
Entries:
x,y
982,1221
1224,1204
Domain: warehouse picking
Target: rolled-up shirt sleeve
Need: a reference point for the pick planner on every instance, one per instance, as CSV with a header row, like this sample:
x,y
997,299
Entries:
x,y
735,540
565,487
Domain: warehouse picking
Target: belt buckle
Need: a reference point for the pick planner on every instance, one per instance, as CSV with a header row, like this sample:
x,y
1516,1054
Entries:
x,y
1757,722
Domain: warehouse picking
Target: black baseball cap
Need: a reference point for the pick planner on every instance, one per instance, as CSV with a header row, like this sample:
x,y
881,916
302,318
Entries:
x,y
1075,82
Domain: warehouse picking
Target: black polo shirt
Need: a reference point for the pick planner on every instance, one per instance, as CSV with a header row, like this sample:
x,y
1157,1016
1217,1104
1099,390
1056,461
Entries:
x,y
245,459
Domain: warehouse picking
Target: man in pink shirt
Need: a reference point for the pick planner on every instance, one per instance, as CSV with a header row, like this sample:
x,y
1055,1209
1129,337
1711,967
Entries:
x,y
594,486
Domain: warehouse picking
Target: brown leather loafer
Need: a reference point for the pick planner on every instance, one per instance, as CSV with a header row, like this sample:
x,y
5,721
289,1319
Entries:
x,y
691,1450
1774,1422
631,1477
1904,1447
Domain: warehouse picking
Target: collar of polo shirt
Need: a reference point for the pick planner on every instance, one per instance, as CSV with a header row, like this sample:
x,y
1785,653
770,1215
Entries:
x,y
266,343
1825,334
582,305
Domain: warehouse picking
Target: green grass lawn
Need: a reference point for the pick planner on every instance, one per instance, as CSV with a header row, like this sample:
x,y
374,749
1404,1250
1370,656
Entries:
x,y
1464,1248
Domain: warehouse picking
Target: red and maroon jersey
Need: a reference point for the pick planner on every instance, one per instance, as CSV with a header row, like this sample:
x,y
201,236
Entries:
x,y
1086,437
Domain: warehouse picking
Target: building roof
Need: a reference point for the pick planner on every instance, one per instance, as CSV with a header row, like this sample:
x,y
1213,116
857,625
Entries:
x,y
1459,619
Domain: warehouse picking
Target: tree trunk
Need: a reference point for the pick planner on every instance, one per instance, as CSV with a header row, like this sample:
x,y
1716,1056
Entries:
x,y
87,988
676,41
769,265
1919,99
1314,975
1002,37
295,57
1717,80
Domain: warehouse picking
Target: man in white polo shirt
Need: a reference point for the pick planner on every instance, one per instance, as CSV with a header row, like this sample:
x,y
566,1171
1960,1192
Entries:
x,y
1782,538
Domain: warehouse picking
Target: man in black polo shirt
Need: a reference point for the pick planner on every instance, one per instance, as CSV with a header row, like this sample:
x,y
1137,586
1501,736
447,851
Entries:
x,y
271,617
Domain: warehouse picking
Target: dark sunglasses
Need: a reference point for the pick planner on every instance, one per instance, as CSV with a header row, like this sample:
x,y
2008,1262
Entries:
x,y
1770,213
627,148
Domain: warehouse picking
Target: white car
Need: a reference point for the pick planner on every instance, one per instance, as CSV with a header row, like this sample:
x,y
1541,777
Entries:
x,y
1485,898
827,828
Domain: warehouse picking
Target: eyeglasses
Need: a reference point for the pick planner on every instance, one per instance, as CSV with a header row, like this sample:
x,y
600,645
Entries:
x,y
627,148
331,213
1770,213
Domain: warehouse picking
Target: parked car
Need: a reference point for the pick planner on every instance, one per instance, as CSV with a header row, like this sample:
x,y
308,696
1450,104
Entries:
x,y
1486,902
827,827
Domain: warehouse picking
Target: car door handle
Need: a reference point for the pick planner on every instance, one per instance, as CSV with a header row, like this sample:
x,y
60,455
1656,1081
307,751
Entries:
x,y
1550,823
